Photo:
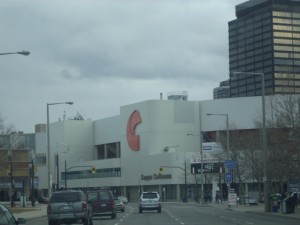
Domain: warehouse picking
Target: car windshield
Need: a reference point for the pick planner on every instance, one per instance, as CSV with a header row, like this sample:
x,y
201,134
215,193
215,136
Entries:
x,y
6,217
118,201
150,195
104,196
65,197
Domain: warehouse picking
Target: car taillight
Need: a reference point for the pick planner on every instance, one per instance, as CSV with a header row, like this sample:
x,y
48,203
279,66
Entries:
x,y
84,206
113,205
48,208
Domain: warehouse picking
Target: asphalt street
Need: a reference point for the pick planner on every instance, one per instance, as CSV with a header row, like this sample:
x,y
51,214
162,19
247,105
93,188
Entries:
x,y
185,214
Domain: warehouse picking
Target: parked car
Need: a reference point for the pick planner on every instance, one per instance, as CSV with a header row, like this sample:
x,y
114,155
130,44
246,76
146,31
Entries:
x,y
102,202
119,205
248,200
150,201
7,218
44,200
69,207
251,200
124,199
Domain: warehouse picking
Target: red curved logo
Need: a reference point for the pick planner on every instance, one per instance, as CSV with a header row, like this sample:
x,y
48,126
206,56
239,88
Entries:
x,y
133,139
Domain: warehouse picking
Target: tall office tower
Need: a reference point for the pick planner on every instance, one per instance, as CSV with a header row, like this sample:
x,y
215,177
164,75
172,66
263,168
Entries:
x,y
222,91
264,40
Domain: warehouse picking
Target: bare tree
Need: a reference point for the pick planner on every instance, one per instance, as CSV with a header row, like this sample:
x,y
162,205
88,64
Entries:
x,y
283,138
245,150
5,138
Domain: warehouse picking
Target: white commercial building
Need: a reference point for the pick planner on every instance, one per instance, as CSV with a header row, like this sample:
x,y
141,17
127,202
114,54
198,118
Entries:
x,y
128,150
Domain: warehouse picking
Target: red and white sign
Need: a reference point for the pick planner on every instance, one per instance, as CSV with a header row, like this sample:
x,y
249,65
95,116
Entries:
x,y
132,138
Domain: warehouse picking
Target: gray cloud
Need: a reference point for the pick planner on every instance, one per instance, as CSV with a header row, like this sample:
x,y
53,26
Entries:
x,y
91,48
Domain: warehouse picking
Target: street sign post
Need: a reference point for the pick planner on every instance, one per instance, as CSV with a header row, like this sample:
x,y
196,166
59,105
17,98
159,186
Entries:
x,y
230,164
228,178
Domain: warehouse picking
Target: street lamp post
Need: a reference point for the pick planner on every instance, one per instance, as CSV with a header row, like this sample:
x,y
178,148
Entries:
x,y
33,197
202,170
11,180
185,183
48,143
57,169
66,152
66,186
227,137
264,136
25,53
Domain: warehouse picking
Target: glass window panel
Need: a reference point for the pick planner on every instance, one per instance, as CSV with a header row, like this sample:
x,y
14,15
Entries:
x,y
295,15
250,67
281,14
111,150
101,151
282,21
282,27
283,61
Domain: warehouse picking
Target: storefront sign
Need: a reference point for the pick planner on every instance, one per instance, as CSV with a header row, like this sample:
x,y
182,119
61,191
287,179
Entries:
x,y
156,177
207,167
210,160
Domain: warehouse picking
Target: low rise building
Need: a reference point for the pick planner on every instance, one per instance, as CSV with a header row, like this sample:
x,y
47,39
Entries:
x,y
128,150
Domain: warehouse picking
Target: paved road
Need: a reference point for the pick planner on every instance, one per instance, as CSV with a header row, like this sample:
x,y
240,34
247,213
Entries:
x,y
188,214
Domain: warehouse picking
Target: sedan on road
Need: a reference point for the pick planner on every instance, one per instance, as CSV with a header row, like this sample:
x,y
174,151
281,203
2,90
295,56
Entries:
x,y
119,205
7,218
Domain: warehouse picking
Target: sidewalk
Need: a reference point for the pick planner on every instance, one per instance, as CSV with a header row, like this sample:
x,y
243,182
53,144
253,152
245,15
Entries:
x,y
255,209
30,212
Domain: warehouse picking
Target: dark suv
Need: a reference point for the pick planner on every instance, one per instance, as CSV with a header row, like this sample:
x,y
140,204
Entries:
x,y
69,207
102,202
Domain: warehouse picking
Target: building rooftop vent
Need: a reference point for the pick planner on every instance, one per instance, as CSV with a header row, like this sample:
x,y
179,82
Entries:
x,y
178,95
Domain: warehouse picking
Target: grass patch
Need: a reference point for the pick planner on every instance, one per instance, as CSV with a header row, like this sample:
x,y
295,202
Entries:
x,y
25,209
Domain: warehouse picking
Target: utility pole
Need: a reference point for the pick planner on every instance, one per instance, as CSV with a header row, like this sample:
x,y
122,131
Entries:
x,y
66,174
11,180
185,178
32,184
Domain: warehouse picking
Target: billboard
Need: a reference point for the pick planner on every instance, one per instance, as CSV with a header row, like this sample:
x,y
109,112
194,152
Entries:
x,y
214,167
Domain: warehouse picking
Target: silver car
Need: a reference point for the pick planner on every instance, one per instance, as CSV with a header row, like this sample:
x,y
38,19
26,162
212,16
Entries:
x,y
7,218
150,201
69,207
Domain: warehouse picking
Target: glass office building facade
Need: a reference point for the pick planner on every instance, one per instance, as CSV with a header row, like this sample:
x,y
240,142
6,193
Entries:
x,y
264,41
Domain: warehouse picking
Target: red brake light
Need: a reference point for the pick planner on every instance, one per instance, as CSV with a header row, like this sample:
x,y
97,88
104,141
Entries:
x,y
84,206
48,208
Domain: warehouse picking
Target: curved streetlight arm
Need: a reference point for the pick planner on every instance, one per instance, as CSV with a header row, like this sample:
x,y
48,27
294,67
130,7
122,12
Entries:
x,y
177,167
59,103
72,167
48,143
25,53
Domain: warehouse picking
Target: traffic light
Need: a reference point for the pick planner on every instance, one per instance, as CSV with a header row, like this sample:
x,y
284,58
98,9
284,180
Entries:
x,y
93,169
161,170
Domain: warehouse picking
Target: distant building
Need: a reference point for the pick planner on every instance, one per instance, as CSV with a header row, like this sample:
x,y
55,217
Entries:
x,y
265,38
223,91
16,152
128,149
178,95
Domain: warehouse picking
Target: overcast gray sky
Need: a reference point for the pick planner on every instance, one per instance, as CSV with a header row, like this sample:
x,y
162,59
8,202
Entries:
x,y
104,54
